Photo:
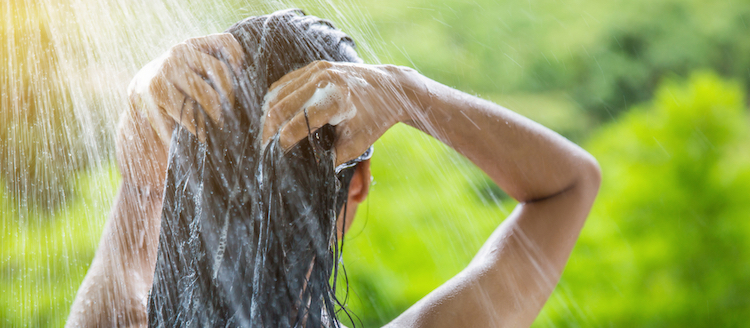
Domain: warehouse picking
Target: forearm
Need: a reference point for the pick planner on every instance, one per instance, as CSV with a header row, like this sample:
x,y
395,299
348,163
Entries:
x,y
527,160
511,278
555,181
117,283
136,214
115,289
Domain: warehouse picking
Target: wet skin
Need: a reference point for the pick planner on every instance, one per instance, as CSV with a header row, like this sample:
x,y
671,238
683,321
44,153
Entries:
x,y
507,282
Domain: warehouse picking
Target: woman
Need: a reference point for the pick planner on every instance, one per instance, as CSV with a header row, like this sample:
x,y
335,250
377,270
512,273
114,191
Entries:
x,y
248,232
507,282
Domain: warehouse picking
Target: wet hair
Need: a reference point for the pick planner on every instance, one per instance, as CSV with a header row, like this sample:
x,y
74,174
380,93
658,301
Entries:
x,y
243,226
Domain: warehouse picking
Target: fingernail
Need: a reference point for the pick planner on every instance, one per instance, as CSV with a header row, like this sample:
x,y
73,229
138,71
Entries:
x,y
216,116
220,122
202,135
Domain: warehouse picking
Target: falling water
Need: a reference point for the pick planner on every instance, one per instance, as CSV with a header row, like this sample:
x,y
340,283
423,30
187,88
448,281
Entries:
x,y
65,69
66,65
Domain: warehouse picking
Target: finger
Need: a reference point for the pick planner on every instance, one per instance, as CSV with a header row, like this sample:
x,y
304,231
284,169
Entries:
x,y
222,44
305,122
192,85
164,94
286,109
308,70
190,117
184,116
213,69
166,98
289,106
197,119
293,85
156,100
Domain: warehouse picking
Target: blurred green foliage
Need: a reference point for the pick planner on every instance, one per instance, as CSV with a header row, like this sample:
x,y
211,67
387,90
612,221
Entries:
x,y
666,244
44,255
604,56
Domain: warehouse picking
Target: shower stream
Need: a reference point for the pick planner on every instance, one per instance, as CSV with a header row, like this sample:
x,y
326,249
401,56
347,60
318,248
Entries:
x,y
66,65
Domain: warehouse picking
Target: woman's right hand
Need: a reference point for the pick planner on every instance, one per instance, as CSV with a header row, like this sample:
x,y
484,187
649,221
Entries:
x,y
188,76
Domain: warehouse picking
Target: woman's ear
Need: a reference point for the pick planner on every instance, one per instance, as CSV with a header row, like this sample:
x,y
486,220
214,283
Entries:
x,y
359,186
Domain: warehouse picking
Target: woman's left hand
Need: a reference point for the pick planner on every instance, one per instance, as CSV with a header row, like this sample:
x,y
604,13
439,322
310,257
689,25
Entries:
x,y
361,101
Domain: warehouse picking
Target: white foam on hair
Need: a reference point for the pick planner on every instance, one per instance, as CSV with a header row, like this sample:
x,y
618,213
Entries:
x,y
324,98
270,95
332,96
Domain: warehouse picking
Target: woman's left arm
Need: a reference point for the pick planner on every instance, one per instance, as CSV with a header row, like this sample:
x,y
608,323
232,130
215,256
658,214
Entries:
x,y
554,180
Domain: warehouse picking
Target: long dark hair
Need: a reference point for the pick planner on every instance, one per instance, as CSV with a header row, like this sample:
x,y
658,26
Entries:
x,y
248,235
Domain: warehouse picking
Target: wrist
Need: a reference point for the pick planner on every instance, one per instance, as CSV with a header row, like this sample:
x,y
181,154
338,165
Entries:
x,y
417,96
146,112
141,152
424,98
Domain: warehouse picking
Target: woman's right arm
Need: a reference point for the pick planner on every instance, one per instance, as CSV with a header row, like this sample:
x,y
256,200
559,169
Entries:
x,y
116,287
554,181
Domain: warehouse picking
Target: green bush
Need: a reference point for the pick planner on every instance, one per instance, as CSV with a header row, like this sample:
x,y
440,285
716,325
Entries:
x,y
44,255
606,56
645,42
667,240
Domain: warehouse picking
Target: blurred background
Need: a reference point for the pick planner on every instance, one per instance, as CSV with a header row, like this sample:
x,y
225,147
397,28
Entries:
x,y
656,90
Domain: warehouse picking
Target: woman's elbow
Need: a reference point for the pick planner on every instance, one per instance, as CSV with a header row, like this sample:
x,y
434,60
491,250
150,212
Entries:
x,y
590,177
